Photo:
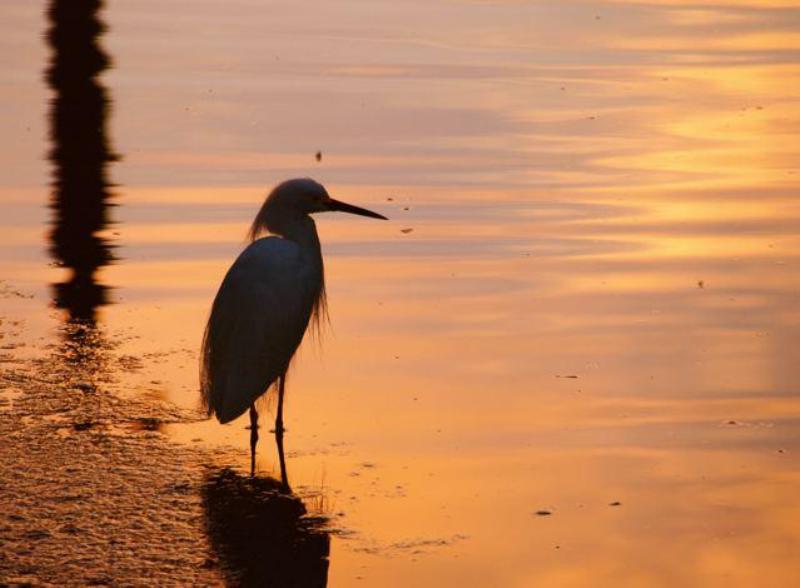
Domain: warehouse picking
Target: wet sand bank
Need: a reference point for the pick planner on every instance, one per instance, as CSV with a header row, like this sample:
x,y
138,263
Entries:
x,y
93,493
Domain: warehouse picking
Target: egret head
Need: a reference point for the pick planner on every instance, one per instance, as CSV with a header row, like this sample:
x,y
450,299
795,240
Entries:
x,y
292,200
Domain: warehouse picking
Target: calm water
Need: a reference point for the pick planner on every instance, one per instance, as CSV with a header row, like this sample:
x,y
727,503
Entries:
x,y
595,313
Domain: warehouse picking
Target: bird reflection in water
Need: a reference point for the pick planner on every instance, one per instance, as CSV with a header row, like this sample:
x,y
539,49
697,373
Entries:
x,y
260,534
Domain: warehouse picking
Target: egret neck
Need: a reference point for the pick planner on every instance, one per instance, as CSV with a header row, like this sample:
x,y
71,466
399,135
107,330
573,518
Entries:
x,y
299,228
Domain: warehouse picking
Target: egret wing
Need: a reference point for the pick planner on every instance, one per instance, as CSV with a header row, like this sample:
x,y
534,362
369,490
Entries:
x,y
258,320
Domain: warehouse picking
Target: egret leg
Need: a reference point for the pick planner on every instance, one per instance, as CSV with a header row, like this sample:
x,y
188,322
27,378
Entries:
x,y
282,459
279,433
253,438
279,416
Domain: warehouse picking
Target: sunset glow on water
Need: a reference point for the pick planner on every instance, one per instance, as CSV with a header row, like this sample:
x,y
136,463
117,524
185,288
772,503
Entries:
x,y
595,313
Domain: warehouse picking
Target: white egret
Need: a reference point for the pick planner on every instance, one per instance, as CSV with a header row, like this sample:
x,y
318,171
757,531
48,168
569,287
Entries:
x,y
264,306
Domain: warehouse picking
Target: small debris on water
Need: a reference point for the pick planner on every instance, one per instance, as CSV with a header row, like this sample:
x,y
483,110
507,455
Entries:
x,y
406,231
318,156
543,513
615,503
571,376
701,284
390,199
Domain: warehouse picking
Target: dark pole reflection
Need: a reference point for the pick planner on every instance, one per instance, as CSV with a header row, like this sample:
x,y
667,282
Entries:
x,y
260,535
80,154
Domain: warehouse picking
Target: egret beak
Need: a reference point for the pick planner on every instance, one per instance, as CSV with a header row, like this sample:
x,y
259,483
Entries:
x,y
339,206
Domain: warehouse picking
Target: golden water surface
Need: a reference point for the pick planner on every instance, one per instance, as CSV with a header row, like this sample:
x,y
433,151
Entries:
x,y
596,310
